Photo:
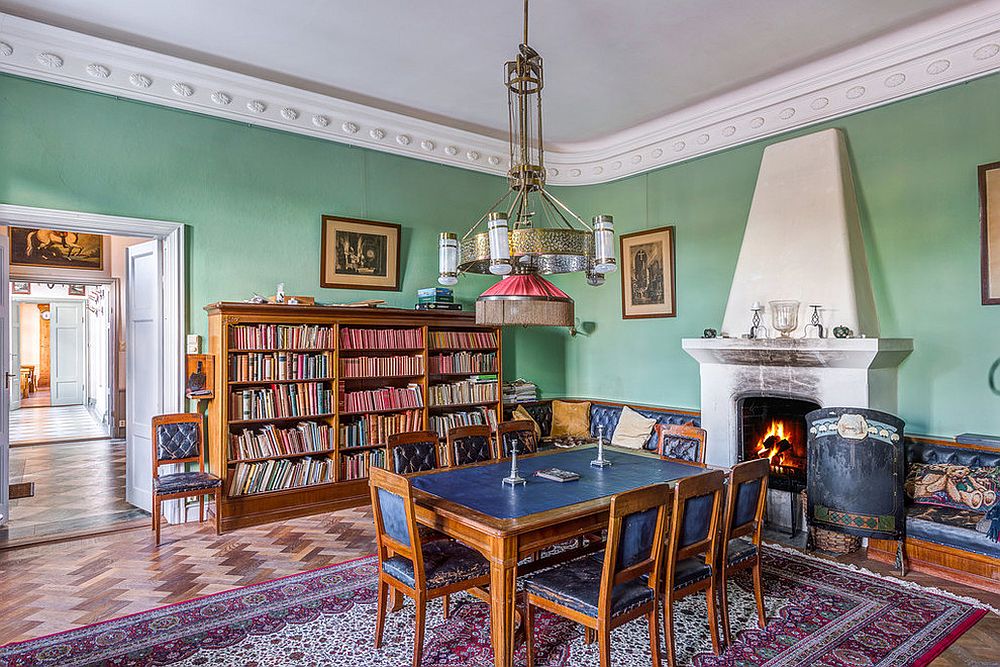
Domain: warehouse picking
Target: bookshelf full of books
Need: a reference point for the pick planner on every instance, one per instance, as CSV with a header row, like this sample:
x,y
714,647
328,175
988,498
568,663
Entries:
x,y
308,396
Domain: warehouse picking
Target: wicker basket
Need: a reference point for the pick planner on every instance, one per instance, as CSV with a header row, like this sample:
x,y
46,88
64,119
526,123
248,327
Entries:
x,y
831,541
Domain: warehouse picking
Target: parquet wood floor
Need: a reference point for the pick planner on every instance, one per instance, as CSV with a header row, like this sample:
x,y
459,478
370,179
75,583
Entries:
x,y
54,587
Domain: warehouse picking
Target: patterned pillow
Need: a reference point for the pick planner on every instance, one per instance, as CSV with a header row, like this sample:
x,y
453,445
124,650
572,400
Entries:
x,y
960,487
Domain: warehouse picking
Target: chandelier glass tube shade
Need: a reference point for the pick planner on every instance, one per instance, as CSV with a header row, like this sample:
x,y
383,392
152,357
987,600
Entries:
x,y
528,231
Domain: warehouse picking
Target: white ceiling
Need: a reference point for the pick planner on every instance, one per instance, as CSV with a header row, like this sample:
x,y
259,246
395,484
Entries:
x,y
610,65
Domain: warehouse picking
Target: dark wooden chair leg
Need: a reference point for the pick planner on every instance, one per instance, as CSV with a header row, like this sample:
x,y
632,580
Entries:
x,y
446,606
724,603
201,509
418,630
713,618
604,646
668,631
156,519
218,511
758,592
529,634
588,636
383,593
654,635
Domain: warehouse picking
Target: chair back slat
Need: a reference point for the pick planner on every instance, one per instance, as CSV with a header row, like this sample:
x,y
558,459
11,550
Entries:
x,y
681,442
695,518
395,519
177,438
470,444
745,500
519,433
416,451
636,532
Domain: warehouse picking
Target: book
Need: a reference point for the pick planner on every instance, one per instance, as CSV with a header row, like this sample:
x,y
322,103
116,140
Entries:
x,y
439,298
557,475
434,291
437,306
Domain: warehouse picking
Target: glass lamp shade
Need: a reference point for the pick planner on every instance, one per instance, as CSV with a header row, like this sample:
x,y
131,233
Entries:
x,y
595,279
499,244
448,259
604,244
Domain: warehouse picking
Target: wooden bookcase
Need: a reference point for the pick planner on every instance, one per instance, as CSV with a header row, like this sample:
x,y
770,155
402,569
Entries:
x,y
349,367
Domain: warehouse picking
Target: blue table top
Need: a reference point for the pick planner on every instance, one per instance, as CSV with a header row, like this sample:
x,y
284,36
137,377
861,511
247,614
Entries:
x,y
479,487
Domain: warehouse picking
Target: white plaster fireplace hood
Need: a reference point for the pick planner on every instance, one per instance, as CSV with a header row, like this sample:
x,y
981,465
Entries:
x,y
802,241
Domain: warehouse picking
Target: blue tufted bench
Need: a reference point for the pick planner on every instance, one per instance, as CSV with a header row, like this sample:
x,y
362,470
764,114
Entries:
x,y
939,540
606,414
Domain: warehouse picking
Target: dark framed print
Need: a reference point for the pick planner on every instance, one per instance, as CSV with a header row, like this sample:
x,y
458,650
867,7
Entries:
x,y
647,260
359,254
77,290
989,216
18,287
56,250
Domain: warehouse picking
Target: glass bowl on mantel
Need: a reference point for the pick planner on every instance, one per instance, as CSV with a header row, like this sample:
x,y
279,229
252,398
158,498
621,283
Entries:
x,y
784,316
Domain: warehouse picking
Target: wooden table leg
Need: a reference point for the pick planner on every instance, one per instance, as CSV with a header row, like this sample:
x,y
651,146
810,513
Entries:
x,y
503,592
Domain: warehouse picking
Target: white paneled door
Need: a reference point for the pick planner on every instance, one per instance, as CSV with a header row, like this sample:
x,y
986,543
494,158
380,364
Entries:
x,y
6,369
67,347
15,355
144,396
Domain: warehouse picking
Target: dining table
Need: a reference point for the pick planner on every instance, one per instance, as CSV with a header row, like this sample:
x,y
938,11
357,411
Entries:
x,y
510,524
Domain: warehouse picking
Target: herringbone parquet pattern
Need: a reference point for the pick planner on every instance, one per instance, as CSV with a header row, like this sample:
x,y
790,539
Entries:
x,y
54,587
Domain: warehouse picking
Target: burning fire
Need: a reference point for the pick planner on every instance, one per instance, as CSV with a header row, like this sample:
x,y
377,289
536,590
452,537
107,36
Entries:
x,y
775,445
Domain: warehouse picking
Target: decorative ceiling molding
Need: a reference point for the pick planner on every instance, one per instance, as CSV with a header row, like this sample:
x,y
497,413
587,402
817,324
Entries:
x,y
952,48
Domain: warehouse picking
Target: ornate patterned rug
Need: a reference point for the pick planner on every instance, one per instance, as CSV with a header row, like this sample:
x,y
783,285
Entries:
x,y
818,614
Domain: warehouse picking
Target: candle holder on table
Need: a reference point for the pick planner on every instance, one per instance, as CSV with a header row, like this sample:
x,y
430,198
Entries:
x,y
600,461
514,478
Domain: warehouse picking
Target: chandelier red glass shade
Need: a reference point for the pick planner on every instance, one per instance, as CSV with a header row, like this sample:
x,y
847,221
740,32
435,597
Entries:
x,y
526,299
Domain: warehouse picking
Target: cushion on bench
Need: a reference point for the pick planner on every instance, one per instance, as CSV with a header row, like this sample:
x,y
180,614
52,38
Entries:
x,y
951,528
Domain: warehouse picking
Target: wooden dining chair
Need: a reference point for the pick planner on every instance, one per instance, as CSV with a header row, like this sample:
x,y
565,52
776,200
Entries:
x,y
742,524
602,594
416,451
179,439
681,442
519,433
692,545
470,444
407,565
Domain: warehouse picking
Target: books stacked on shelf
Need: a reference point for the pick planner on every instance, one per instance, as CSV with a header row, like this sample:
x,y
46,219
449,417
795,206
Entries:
x,y
477,389
280,336
380,339
273,441
519,391
279,474
436,298
467,339
442,423
386,398
259,367
355,466
376,429
301,399
464,362
366,367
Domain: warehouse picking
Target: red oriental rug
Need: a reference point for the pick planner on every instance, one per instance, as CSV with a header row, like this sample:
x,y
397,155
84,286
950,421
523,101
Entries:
x,y
818,614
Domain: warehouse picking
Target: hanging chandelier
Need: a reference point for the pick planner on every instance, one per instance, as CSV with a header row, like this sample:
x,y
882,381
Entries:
x,y
528,232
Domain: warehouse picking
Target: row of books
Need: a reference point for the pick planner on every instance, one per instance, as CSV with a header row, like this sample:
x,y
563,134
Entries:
x,y
474,390
464,362
262,366
441,339
376,429
445,422
273,441
280,336
282,400
278,474
355,466
380,339
361,367
386,398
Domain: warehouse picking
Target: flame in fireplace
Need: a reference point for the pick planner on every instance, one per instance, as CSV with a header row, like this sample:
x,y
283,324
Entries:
x,y
776,446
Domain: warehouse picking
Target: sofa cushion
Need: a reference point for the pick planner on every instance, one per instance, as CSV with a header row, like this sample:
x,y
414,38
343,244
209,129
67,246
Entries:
x,y
951,528
956,486
521,413
571,419
632,430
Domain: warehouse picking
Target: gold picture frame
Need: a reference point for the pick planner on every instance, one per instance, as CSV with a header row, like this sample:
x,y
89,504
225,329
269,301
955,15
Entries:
x,y
989,217
53,249
359,254
647,271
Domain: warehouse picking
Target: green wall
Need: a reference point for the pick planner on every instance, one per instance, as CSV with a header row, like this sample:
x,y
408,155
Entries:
x,y
252,198
914,165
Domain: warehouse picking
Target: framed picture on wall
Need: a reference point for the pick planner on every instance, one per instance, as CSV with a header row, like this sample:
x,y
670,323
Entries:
x,y
17,287
359,254
647,260
56,250
989,216
77,290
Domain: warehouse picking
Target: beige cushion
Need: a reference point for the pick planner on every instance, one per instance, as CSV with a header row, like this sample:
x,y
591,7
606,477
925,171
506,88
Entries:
x,y
571,419
521,413
633,429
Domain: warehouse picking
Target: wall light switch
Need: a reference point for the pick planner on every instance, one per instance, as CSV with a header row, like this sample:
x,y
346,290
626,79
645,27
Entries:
x,y
193,344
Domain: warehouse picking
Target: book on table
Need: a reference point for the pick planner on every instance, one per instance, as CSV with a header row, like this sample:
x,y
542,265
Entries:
x,y
557,475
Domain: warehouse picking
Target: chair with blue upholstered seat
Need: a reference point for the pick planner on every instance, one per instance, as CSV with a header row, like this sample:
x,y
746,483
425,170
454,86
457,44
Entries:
x,y
470,444
421,572
602,594
178,439
681,442
692,546
742,523
517,433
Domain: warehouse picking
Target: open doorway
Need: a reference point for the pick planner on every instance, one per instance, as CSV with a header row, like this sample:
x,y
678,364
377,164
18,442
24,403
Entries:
x,y
74,458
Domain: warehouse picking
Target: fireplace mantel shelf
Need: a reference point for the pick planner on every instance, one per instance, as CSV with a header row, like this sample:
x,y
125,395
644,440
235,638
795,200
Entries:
x,y
801,352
